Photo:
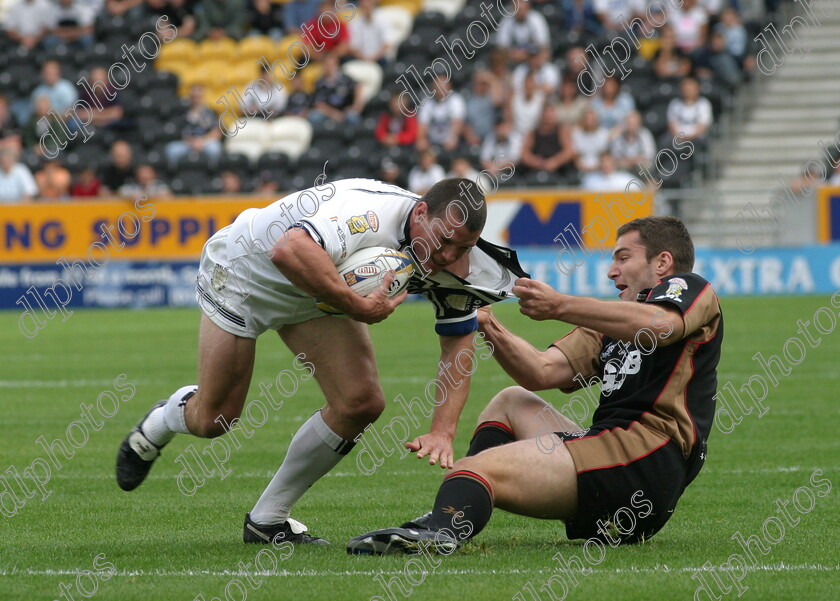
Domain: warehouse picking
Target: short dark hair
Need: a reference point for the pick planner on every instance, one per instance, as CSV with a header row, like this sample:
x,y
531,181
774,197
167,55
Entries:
x,y
466,193
665,233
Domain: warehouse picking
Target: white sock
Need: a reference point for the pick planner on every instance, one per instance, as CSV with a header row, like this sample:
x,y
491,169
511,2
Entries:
x,y
315,449
164,422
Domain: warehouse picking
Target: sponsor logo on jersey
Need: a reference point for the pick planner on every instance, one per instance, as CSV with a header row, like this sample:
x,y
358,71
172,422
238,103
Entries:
x,y
350,278
676,286
359,224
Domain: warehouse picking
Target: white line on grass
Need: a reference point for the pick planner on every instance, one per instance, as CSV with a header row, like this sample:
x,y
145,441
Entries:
x,y
779,567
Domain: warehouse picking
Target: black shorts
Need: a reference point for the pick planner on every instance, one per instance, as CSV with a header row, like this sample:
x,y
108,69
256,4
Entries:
x,y
629,481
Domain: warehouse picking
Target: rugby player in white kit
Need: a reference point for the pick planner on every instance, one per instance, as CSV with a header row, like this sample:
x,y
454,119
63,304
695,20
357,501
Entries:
x,y
264,272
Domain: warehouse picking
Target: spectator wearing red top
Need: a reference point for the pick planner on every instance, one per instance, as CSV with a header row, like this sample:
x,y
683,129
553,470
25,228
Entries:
x,y
326,33
86,184
395,128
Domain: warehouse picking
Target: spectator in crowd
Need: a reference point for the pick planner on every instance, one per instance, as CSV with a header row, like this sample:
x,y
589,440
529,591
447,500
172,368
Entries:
x,y
120,8
611,104
230,182
370,37
61,93
73,25
606,177
525,29
525,106
669,61
217,19
426,173
395,128
86,184
590,141
44,120
327,35
548,147
119,170
612,14
714,64
53,180
546,74
482,106
337,96
571,103
690,115
390,173
275,105
690,22
181,14
441,117
633,147
735,35
299,102
265,18
461,167
200,133
16,181
587,75
9,128
497,63
145,183
298,12
267,185
100,93
28,22
579,16
501,149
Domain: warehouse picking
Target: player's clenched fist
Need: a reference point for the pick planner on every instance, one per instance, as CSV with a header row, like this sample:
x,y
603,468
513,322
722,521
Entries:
x,y
378,305
537,299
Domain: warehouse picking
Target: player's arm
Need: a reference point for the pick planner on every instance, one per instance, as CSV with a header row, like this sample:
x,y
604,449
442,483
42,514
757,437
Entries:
x,y
310,269
616,319
450,397
530,367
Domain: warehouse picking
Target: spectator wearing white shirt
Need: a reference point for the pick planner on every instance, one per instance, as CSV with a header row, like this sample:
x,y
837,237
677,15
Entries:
x,y
690,116
590,141
606,178
274,104
633,147
28,22
501,149
525,106
73,25
612,14
370,38
690,22
547,74
612,105
425,174
16,181
441,118
526,28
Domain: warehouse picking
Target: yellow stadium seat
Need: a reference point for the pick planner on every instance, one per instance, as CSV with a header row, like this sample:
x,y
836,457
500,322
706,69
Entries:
x,y
253,48
178,68
289,55
224,49
180,50
216,73
243,73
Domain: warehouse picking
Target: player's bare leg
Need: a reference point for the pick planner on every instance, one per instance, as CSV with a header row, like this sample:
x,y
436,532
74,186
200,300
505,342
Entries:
x,y
225,366
345,369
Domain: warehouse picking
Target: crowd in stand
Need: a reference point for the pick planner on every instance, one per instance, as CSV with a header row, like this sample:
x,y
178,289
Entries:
x,y
521,104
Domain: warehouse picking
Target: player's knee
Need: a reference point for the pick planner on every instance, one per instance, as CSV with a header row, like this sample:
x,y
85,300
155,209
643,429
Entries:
x,y
501,405
362,406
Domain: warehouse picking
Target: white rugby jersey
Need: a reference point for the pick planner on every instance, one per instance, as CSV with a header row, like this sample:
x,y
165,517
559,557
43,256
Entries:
x,y
347,215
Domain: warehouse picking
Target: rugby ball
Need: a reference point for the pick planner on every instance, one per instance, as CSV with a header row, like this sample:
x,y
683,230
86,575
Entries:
x,y
365,269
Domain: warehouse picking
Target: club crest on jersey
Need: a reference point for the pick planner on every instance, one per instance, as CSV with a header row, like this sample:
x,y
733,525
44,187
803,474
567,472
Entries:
x,y
676,286
358,224
218,280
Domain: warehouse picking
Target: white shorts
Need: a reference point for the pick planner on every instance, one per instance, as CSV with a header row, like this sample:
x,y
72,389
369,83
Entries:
x,y
247,295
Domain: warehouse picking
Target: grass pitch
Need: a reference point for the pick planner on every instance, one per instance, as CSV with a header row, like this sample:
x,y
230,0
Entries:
x,y
89,539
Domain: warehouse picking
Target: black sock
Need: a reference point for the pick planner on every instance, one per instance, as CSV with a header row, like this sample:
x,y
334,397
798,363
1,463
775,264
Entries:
x,y
463,505
489,434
